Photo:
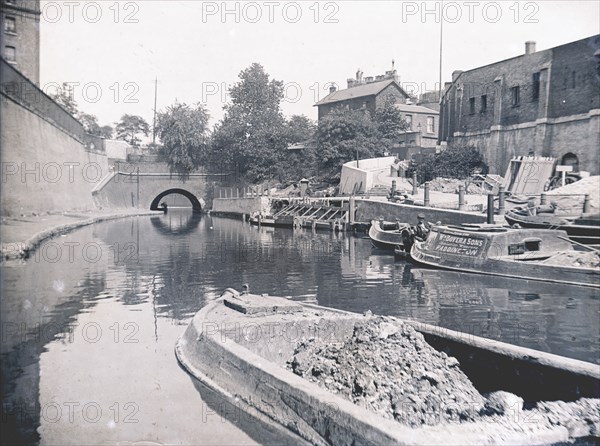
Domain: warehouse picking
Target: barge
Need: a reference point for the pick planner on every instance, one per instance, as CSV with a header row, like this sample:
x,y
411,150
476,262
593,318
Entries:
x,y
390,236
239,344
533,254
584,229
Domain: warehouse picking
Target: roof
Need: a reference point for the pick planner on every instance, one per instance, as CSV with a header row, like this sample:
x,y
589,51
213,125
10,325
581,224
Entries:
x,y
359,91
408,108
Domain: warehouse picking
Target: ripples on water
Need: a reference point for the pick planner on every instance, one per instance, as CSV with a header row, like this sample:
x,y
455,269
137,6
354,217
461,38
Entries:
x,y
90,321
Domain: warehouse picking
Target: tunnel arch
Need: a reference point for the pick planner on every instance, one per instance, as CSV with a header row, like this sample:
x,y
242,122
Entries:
x,y
196,204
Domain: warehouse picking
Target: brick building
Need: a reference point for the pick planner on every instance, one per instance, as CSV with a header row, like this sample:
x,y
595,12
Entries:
x,y
20,36
422,125
545,103
364,93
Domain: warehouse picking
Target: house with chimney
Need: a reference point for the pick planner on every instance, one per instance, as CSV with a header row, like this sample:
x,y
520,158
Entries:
x,y
366,93
543,103
369,93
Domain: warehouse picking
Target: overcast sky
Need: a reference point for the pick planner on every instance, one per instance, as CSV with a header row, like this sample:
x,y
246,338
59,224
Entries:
x,y
196,49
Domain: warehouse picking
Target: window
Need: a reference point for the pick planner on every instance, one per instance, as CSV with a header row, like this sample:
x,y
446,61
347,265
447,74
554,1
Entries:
x,y
471,106
516,96
10,53
430,124
10,25
484,103
408,119
535,94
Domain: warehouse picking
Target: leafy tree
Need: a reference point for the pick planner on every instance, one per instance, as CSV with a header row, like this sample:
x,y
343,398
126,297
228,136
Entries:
x,y
389,121
91,126
251,137
345,134
300,129
66,99
105,131
130,126
459,162
297,164
183,131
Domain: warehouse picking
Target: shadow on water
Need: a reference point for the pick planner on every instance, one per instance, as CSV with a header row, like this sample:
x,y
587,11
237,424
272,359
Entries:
x,y
176,224
255,424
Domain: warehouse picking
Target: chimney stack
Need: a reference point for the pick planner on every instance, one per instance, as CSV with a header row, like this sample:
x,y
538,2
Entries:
x,y
529,47
350,82
332,89
455,75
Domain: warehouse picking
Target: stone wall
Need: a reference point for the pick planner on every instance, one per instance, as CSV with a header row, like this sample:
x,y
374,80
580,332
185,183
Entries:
x,y
557,112
367,210
239,206
43,167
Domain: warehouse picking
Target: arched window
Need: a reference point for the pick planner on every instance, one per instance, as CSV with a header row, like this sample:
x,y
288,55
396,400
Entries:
x,y
570,159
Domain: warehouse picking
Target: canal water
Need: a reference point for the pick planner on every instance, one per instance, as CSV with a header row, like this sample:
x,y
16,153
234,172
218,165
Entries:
x,y
89,322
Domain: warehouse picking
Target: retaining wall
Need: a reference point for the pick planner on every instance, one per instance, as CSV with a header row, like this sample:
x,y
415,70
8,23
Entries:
x,y
367,210
240,206
43,167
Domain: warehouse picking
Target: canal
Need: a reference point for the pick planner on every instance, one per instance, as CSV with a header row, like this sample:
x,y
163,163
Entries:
x,y
90,320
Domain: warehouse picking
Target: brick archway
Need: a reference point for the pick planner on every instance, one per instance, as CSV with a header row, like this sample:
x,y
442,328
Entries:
x,y
196,204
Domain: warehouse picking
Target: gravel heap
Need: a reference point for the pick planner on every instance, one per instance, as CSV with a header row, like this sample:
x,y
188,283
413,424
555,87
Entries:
x,y
572,197
575,258
387,367
450,185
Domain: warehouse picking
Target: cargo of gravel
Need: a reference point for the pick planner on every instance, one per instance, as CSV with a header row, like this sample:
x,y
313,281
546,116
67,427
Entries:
x,y
386,366
570,197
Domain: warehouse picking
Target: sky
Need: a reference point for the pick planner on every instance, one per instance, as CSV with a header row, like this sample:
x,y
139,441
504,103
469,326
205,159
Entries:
x,y
112,52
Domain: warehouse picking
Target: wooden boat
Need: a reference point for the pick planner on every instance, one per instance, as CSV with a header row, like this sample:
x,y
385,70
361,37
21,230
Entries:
x,y
500,251
239,345
584,229
391,236
262,220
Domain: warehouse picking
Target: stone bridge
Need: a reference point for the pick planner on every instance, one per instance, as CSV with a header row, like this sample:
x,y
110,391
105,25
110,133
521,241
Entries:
x,y
147,190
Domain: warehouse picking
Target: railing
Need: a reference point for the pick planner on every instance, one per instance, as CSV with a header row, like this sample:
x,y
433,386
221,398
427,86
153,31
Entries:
x,y
17,87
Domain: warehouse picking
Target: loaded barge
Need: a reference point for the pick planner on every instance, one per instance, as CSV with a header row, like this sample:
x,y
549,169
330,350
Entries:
x,y
239,345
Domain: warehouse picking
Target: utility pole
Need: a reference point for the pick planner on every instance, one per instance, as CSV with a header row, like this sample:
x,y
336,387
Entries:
x,y
154,122
441,33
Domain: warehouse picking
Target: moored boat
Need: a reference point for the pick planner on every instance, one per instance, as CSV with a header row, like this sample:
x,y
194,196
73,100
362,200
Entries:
x,y
584,229
392,236
261,220
533,254
239,346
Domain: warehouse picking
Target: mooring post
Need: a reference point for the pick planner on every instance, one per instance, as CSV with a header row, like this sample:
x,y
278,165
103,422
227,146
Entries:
x,y
490,209
414,184
426,194
501,197
586,204
542,199
461,197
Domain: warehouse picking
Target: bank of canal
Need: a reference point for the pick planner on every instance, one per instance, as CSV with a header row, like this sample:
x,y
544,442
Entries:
x,y
90,320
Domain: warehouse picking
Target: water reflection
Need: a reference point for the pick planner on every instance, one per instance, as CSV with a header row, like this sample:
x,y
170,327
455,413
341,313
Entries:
x,y
151,275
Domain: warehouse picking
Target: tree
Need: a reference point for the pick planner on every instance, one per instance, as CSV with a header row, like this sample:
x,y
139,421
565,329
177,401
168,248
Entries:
x,y
300,129
105,131
183,131
66,99
344,134
130,126
459,162
251,137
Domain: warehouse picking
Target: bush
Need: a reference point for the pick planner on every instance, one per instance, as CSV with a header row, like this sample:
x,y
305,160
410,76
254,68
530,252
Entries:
x,y
455,162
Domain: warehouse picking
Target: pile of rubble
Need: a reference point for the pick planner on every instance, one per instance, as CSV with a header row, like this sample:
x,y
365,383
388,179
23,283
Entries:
x,y
570,197
450,186
578,259
387,366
